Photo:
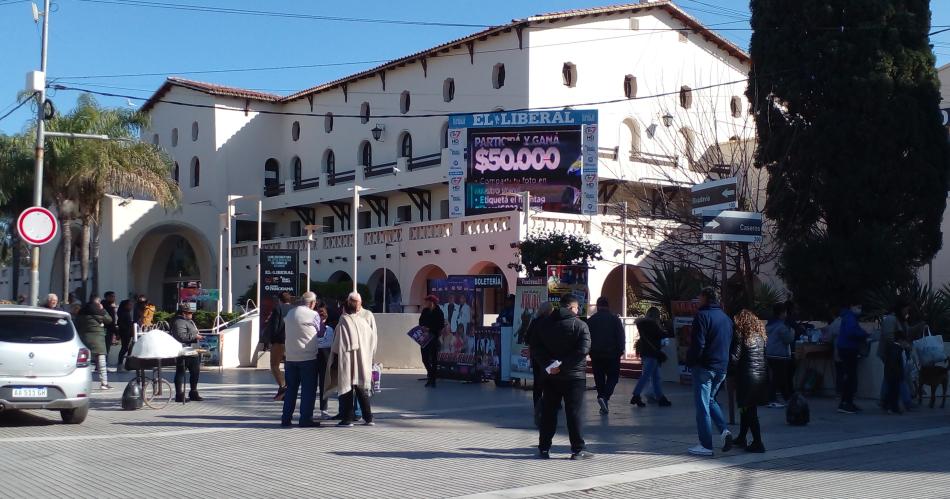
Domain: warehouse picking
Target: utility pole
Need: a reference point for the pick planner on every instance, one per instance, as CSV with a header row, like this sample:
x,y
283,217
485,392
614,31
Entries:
x,y
623,221
38,165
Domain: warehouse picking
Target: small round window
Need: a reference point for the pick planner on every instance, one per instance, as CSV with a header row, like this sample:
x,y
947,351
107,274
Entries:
x,y
194,131
328,122
295,131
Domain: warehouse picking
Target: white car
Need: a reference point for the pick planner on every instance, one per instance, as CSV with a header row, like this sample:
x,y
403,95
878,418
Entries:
x,y
43,363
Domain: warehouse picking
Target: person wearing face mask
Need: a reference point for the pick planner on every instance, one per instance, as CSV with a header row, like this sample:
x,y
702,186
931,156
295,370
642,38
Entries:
x,y
849,342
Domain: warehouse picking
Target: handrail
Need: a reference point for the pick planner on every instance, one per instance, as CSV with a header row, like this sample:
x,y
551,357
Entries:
x,y
306,183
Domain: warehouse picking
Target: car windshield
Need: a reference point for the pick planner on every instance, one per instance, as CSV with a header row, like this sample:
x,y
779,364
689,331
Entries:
x,y
35,329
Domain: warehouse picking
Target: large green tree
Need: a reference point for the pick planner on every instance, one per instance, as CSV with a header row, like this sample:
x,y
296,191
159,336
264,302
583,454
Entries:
x,y
846,99
16,191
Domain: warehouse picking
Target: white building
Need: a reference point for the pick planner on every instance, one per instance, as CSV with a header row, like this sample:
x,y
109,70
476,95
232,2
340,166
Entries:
x,y
663,86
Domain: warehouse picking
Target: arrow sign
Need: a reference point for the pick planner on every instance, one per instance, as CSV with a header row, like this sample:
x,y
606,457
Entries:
x,y
733,226
714,196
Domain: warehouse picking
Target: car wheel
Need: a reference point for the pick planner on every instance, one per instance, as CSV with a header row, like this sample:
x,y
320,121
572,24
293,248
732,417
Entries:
x,y
74,416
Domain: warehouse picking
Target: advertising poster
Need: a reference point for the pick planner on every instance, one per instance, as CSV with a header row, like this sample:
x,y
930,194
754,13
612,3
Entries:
x,y
488,352
456,173
564,279
278,272
211,343
197,294
457,342
541,152
683,313
530,293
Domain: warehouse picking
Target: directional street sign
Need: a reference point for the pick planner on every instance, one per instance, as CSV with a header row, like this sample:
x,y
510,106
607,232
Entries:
x,y
733,226
714,196
36,225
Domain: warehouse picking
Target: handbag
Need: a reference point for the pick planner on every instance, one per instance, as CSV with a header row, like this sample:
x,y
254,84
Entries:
x,y
929,349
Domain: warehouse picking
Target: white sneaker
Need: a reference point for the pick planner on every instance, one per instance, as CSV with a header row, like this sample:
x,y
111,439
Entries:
x,y
112,369
324,415
699,450
776,405
724,438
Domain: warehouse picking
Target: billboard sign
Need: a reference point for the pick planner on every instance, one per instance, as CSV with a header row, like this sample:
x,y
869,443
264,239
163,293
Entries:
x,y
551,154
278,272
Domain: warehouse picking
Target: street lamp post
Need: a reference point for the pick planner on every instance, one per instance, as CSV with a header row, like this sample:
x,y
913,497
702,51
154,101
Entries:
x,y
38,163
622,209
354,224
221,229
385,271
232,198
310,229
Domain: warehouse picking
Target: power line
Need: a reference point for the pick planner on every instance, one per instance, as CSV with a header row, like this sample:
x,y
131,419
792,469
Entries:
x,y
24,101
266,13
11,2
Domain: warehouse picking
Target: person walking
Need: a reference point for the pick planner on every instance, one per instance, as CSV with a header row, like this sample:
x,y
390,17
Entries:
x,y
562,352
112,329
324,345
894,325
182,327
351,368
536,328
607,344
432,321
301,325
708,358
749,367
125,329
778,353
276,336
850,340
650,349
91,322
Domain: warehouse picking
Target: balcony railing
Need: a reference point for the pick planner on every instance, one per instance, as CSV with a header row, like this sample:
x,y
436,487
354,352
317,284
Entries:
x,y
306,183
424,161
273,189
377,170
340,177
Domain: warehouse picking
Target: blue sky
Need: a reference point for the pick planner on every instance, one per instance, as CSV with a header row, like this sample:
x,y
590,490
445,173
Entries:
x,y
103,38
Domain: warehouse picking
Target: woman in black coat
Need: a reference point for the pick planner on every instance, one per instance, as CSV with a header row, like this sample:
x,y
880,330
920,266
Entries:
x,y
749,368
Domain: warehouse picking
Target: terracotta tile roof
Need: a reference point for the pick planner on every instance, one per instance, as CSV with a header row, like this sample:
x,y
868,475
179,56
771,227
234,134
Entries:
x,y
691,23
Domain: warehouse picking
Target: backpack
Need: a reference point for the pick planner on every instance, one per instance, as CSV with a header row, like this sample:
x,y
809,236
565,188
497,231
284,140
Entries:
x,y
797,412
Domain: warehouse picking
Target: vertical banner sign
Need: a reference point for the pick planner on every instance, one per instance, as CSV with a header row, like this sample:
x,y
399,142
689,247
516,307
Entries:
x,y
564,279
529,295
457,341
551,154
456,174
278,272
589,186
683,313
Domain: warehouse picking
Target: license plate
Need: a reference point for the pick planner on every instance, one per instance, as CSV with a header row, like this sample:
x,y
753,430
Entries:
x,y
30,393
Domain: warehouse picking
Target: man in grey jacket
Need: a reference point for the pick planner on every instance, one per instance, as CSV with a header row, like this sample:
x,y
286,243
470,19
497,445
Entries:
x,y
183,329
778,352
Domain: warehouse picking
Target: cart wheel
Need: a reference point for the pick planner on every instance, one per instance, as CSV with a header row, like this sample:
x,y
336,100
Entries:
x,y
158,393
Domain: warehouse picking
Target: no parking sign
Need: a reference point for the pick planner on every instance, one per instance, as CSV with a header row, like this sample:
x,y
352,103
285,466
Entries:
x,y
37,225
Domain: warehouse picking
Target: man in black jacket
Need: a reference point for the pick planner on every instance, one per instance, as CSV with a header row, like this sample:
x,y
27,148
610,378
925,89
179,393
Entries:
x,y
183,329
562,351
607,343
433,320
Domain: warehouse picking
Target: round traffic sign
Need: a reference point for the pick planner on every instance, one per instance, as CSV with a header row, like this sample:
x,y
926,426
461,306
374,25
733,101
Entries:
x,y
37,225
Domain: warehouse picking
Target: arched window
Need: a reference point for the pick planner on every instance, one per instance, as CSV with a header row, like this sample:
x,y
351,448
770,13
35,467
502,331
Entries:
x,y
364,112
271,174
498,75
195,172
194,131
688,144
175,173
174,137
445,135
328,122
329,162
366,154
735,105
404,102
448,89
630,86
155,139
686,97
298,170
569,74
630,139
405,146
295,131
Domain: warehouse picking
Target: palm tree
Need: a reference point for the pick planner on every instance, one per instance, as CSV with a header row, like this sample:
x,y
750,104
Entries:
x,y
15,196
79,173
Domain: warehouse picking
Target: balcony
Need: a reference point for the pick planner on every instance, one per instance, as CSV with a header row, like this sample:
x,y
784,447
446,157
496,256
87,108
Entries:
x,y
271,190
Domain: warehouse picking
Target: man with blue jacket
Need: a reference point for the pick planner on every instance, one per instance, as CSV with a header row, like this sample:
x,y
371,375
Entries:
x,y
850,340
708,358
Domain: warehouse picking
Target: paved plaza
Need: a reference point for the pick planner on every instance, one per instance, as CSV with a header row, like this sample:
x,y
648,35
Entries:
x,y
457,440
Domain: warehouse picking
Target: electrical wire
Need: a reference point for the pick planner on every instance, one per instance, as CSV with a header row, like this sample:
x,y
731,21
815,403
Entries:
x,y
24,101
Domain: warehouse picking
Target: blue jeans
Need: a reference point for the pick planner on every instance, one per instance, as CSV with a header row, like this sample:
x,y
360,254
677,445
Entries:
x,y
302,376
904,392
706,385
650,374
357,411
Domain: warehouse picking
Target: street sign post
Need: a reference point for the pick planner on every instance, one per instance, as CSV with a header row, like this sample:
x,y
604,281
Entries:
x,y
733,226
714,196
37,226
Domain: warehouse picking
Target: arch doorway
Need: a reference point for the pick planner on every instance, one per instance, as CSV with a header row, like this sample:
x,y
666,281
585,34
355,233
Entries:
x,y
613,287
168,258
390,289
493,299
339,276
420,283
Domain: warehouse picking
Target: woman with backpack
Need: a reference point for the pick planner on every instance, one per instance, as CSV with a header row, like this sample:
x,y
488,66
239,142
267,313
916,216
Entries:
x,y
749,368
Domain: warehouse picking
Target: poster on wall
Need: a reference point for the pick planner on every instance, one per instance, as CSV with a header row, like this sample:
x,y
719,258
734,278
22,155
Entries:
x,y
529,294
683,313
488,352
278,272
564,279
544,153
457,343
